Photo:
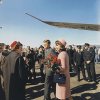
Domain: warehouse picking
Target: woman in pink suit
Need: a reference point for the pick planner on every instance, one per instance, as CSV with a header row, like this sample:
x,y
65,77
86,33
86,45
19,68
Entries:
x,y
63,90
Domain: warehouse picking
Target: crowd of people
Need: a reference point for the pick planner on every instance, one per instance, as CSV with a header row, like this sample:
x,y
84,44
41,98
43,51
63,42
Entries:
x,y
17,67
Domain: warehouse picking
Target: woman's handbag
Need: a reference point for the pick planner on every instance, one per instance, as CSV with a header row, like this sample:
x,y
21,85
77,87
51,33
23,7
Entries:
x,y
59,78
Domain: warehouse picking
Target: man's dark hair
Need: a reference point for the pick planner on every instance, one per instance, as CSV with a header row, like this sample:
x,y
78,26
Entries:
x,y
47,41
7,46
87,44
79,46
41,46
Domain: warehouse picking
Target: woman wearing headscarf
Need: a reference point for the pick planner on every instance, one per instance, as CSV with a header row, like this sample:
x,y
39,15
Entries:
x,y
14,73
63,90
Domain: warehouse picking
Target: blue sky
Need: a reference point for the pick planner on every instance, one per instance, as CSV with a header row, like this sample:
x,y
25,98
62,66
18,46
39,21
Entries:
x,y
20,27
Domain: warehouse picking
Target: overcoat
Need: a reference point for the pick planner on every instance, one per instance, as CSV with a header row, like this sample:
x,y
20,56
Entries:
x,y
14,77
63,90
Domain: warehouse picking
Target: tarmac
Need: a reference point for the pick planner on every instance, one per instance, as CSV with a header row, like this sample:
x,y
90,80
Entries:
x,y
80,90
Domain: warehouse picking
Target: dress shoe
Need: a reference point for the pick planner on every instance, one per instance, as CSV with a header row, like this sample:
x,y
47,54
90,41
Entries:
x,y
96,82
89,80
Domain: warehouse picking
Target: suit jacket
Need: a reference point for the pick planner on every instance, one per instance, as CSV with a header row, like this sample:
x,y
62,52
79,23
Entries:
x,y
78,58
89,55
48,51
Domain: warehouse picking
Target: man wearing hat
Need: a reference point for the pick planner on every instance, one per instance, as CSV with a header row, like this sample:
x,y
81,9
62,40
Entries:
x,y
89,59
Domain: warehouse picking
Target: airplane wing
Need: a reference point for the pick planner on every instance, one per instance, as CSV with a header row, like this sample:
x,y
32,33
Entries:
x,y
92,27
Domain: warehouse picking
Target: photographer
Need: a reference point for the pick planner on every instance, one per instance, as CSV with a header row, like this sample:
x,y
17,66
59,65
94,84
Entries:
x,y
41,58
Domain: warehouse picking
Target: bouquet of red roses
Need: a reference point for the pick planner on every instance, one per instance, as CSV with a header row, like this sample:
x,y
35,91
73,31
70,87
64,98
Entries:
x,y
54,61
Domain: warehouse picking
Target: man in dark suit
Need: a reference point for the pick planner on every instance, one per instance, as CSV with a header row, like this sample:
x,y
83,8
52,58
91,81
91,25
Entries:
x,y
89,58
31,65
70,52
41,64
48,71
79,62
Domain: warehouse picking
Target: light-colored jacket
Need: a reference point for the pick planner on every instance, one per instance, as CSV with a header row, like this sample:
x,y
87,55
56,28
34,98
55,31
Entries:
x,y
63,90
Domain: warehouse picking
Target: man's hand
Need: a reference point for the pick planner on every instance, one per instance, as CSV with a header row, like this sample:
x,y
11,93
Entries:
x,y
75,63
2,82
48,65
88,62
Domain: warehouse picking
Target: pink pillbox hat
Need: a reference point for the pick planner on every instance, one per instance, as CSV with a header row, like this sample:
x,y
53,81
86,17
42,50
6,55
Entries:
x,y
63,42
